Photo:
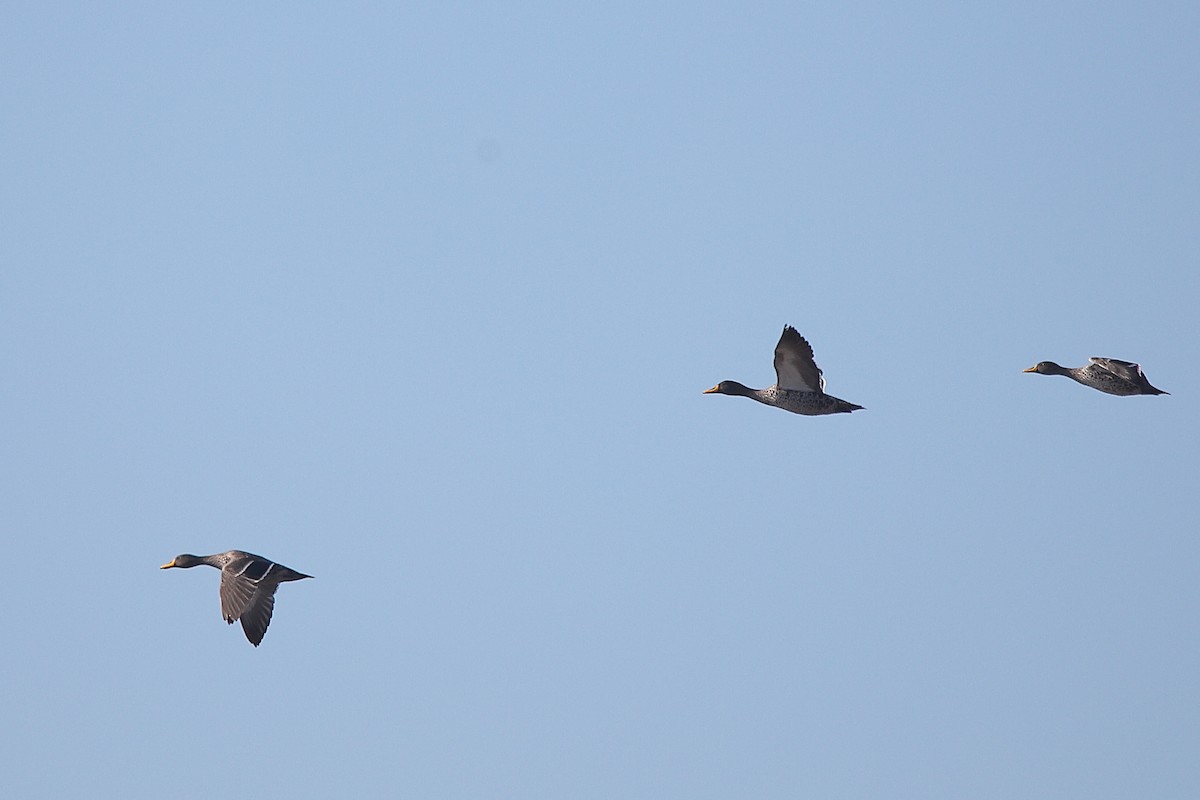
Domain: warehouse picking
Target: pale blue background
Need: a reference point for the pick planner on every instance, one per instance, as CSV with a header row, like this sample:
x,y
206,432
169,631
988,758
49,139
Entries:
x,y
422,301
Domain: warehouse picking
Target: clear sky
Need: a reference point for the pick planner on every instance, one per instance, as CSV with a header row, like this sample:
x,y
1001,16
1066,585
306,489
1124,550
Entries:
x,y
422,302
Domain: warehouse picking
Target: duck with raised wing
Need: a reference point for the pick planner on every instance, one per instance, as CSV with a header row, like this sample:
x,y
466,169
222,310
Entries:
x,y
1108,375
248,584
799,385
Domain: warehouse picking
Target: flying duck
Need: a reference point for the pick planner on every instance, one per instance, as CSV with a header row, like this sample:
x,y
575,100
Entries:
x,y
248,584
799,386
1109,375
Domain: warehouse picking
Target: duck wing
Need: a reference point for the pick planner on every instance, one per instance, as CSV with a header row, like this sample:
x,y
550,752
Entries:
x,y
257,614
236,594
1126,370
241,578
794,365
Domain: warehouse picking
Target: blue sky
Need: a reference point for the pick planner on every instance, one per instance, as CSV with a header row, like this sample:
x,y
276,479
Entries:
x,y
421,301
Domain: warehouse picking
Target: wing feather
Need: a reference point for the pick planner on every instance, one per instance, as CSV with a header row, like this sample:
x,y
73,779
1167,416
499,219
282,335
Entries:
x,y
1122,369
794,364
257,615
236,593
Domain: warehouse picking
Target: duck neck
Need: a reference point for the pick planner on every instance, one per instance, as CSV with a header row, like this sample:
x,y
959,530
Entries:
x,y
1056,369
733,387
216,560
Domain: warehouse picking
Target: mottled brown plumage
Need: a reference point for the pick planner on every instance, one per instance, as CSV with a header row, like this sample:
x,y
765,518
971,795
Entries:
x,y
1108,375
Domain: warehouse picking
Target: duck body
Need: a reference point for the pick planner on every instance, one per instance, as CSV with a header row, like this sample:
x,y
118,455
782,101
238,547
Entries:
x,y
811,404
799,383
1108,375
248,585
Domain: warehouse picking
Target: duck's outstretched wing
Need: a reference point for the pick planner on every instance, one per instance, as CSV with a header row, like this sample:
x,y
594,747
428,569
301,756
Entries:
x,y
241,577
794,365
257,614
236,593
1126,370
